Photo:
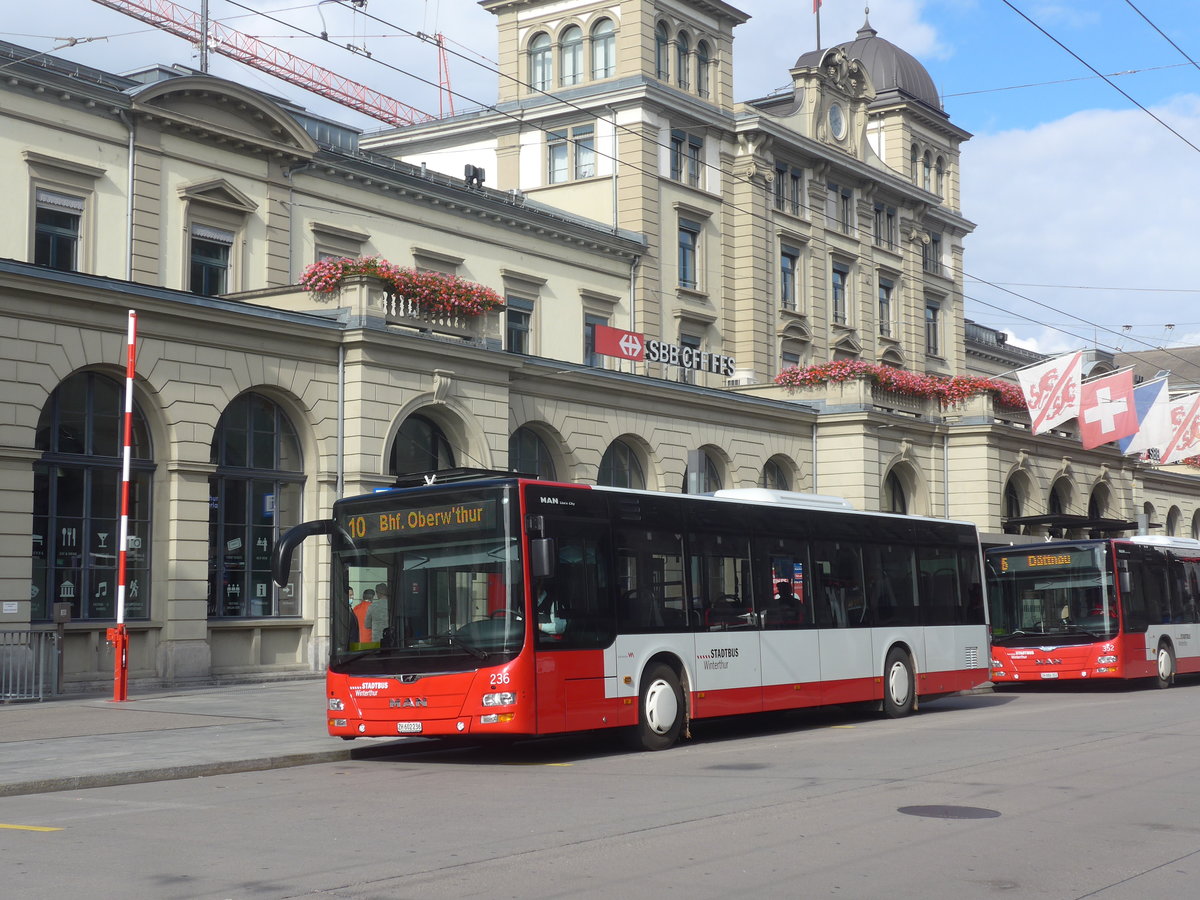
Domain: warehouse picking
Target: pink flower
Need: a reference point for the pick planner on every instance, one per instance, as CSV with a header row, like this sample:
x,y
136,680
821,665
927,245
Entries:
x,y
947,391
430,292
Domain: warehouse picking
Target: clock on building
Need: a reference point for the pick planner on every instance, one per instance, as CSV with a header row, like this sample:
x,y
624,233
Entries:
x,y
837,121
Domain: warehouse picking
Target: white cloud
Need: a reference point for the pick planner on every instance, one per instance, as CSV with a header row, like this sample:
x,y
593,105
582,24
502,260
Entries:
x,y
1099,198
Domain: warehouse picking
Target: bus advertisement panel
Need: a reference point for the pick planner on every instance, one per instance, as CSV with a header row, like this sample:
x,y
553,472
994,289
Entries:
x,y
501,606
1109,609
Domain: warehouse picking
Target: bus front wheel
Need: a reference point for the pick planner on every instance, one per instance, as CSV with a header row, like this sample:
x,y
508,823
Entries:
x,y
1166,666
899,686
660,708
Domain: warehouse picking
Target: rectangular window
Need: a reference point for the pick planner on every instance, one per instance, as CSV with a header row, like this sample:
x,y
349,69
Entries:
x,y
210,260
885,226
789,265
779,187
56,230
686,375
687,157
789,190
839,207
518,324
933,342
931,254
796,191
590,356
689,243
585,151
840,284
885,307
556,157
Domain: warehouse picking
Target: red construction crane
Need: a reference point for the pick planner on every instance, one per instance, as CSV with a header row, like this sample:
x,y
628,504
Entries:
x,y
185,23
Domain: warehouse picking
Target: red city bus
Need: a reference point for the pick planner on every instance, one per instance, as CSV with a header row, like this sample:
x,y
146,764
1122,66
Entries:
x,y
1115,609
505,606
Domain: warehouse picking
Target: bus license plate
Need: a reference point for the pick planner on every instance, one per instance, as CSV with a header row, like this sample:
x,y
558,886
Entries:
x,y
408,727
1044,675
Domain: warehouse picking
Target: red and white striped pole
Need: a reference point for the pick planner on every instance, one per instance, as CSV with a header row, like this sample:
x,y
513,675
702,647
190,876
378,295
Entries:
x,y
118,636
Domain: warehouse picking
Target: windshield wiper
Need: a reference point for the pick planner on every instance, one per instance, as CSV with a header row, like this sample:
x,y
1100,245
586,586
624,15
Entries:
x,y
455,641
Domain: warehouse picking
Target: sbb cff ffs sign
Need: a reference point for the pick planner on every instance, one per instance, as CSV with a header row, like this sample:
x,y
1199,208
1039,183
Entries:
x,y
633,346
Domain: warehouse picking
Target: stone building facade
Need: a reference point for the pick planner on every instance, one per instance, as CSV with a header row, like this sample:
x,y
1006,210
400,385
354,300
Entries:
x,y
819,224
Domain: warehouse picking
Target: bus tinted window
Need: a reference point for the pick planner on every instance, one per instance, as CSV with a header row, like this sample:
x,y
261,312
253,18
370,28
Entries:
x,y
652,595
781,567
938,581
891,584
574,607
839,599
719,566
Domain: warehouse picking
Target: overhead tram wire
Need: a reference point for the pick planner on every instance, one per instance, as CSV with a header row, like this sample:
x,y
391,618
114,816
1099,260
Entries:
x,y
1162,34
1097,72
815,238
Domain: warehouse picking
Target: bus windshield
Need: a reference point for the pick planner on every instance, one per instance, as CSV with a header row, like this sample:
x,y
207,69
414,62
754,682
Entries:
x,y
1064,591
431,583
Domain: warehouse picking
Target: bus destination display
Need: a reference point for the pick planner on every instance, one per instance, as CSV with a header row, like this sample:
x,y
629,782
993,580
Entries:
x,y
467,516
1025,562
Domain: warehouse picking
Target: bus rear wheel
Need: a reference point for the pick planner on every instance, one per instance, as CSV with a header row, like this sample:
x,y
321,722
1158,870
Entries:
x,y
899,686
1166,666
660,708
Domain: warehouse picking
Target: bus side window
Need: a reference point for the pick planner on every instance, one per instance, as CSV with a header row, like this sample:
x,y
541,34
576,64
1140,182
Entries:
x,y
650,581
719,568
1133,599
840,599
574,608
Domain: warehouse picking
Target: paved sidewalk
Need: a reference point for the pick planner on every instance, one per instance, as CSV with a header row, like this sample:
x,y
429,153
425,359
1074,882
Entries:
x,y
64,744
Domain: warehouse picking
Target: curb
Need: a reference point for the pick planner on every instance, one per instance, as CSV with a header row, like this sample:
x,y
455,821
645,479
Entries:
x,y
198,770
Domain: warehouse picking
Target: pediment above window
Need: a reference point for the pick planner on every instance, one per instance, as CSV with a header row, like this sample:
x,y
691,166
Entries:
x,y
221,112
220,193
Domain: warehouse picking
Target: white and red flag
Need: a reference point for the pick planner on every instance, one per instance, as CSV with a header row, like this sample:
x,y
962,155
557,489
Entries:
x,y
1106,409
1184,416
1052,390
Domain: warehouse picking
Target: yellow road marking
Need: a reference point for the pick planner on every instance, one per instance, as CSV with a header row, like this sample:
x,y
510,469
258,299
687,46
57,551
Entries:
x,y
843,726
29,827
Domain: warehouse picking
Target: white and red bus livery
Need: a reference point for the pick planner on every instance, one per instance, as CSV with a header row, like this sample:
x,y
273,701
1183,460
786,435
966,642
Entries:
x,y
1112,608
506,606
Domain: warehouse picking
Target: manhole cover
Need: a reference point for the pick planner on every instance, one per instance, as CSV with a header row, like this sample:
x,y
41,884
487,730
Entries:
x,y
950,812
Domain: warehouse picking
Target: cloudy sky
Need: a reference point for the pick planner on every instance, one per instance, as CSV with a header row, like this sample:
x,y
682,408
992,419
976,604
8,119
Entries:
x,y
1086,201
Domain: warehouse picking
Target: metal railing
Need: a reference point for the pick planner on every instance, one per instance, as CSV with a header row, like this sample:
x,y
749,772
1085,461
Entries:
x,y
28,665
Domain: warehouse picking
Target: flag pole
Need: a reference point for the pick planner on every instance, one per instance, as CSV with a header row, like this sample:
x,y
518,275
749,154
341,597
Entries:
x,y
118,636
817,13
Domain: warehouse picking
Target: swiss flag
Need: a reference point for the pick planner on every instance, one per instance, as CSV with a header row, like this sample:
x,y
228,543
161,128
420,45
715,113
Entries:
x,y
1106,409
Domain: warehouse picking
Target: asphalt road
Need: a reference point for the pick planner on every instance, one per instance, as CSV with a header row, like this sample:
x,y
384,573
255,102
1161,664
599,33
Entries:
x,y
1059,794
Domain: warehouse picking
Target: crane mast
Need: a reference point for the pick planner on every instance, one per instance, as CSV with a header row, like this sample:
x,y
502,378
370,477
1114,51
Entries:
x,y
185,23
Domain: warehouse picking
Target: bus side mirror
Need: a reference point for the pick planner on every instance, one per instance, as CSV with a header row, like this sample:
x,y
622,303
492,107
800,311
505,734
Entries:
x,y
1123,581
281,556
541,558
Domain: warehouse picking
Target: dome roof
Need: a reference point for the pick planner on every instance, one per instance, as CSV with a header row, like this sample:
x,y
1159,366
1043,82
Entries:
x,y
892,70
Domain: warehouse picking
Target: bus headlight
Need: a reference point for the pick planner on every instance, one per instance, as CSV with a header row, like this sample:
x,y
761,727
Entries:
x,y
503,698
336,705
996,664
1106,660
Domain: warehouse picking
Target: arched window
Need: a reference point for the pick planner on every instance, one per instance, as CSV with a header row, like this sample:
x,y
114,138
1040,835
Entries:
x,y
1012,507
662,66
940,169
604,49
621,467
255,494
541,63
1098,503
710,479
926,171
703,61
894,498
1196,524
572,56
682,51
774,477
1173,517
529,455
420,446
77,503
